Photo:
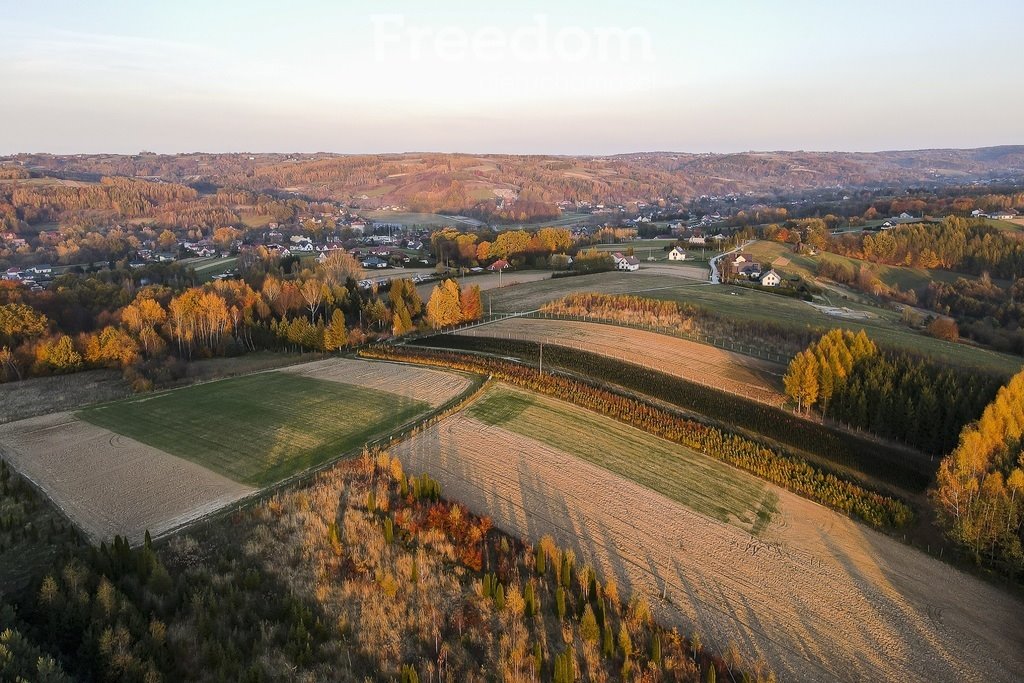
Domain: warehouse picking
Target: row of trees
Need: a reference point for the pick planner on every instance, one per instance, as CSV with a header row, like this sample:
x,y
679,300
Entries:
x,y
960,244
470,249
778,467
322,310
892,395
979,490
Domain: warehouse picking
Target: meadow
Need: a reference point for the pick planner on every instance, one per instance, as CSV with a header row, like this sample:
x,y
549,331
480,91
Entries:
x,y
261,428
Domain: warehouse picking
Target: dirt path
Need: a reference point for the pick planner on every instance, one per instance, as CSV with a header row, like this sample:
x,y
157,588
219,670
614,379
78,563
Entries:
x,y
110,484
701,363
819,597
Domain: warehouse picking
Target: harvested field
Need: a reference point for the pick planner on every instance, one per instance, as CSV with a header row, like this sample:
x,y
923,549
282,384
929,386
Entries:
x,y
42,395
818,596
702,484
434,387
701,363
261,428
109,484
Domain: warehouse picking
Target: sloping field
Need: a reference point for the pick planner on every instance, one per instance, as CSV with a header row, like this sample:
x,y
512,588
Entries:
x,y
419,384
111,484
818,596
260,428
701,483
701,363
749,305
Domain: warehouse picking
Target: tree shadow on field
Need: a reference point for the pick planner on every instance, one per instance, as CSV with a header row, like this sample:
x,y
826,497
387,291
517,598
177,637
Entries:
x,y
954,624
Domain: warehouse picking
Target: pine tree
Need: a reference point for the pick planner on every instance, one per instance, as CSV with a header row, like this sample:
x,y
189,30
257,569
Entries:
x,y
560,602
589,630
656,651
607,642
711,674
542,561
499,597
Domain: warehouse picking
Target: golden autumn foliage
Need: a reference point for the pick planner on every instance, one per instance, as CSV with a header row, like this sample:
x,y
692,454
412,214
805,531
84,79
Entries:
x,y
980,486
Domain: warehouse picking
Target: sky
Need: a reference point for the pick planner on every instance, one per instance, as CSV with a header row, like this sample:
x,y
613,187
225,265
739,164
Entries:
x,y
579,77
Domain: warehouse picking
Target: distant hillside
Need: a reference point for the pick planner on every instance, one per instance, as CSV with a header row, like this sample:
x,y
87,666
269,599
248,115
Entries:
x,y
533,185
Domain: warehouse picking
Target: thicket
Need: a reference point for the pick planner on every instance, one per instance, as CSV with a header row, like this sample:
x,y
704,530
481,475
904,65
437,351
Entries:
x,y
773,465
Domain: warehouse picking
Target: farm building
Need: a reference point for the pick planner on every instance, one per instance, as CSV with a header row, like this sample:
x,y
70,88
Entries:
x,y
1005,214
677,254
630,263
770,279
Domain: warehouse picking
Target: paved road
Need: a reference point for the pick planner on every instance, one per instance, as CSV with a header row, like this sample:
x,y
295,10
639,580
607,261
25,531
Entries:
x,y
716,278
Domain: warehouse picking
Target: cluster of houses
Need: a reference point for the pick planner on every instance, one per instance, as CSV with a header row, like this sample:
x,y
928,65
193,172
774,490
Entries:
x,y
32,277
999,215
745,266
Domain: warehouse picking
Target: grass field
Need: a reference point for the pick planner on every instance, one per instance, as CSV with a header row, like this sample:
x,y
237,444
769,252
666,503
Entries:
x,y
883,325
806,266
258,429
698,482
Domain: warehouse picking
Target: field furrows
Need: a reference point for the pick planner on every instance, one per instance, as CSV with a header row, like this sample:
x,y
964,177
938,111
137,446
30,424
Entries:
x,y
420,384
817,596
110,484
700,363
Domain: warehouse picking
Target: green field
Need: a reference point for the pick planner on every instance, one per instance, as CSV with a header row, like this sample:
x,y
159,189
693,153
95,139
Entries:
x,y
261,428
806,266
697,481
884,325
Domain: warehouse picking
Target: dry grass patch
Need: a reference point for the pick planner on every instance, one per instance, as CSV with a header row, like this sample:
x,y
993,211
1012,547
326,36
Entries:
x,y
110,484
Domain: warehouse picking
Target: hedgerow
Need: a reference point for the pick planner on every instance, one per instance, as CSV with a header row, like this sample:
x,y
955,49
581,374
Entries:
x,y
785,470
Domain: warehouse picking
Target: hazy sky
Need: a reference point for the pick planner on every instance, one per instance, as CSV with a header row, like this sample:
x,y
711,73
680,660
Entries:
x,y
585,77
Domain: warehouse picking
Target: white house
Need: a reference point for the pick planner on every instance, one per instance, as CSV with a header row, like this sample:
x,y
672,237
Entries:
x,y
626,262
905,216
978,213
677,254
770,279
697,240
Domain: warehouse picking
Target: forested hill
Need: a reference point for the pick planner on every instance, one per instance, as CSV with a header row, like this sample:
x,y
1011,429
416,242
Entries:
x,y
458,182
